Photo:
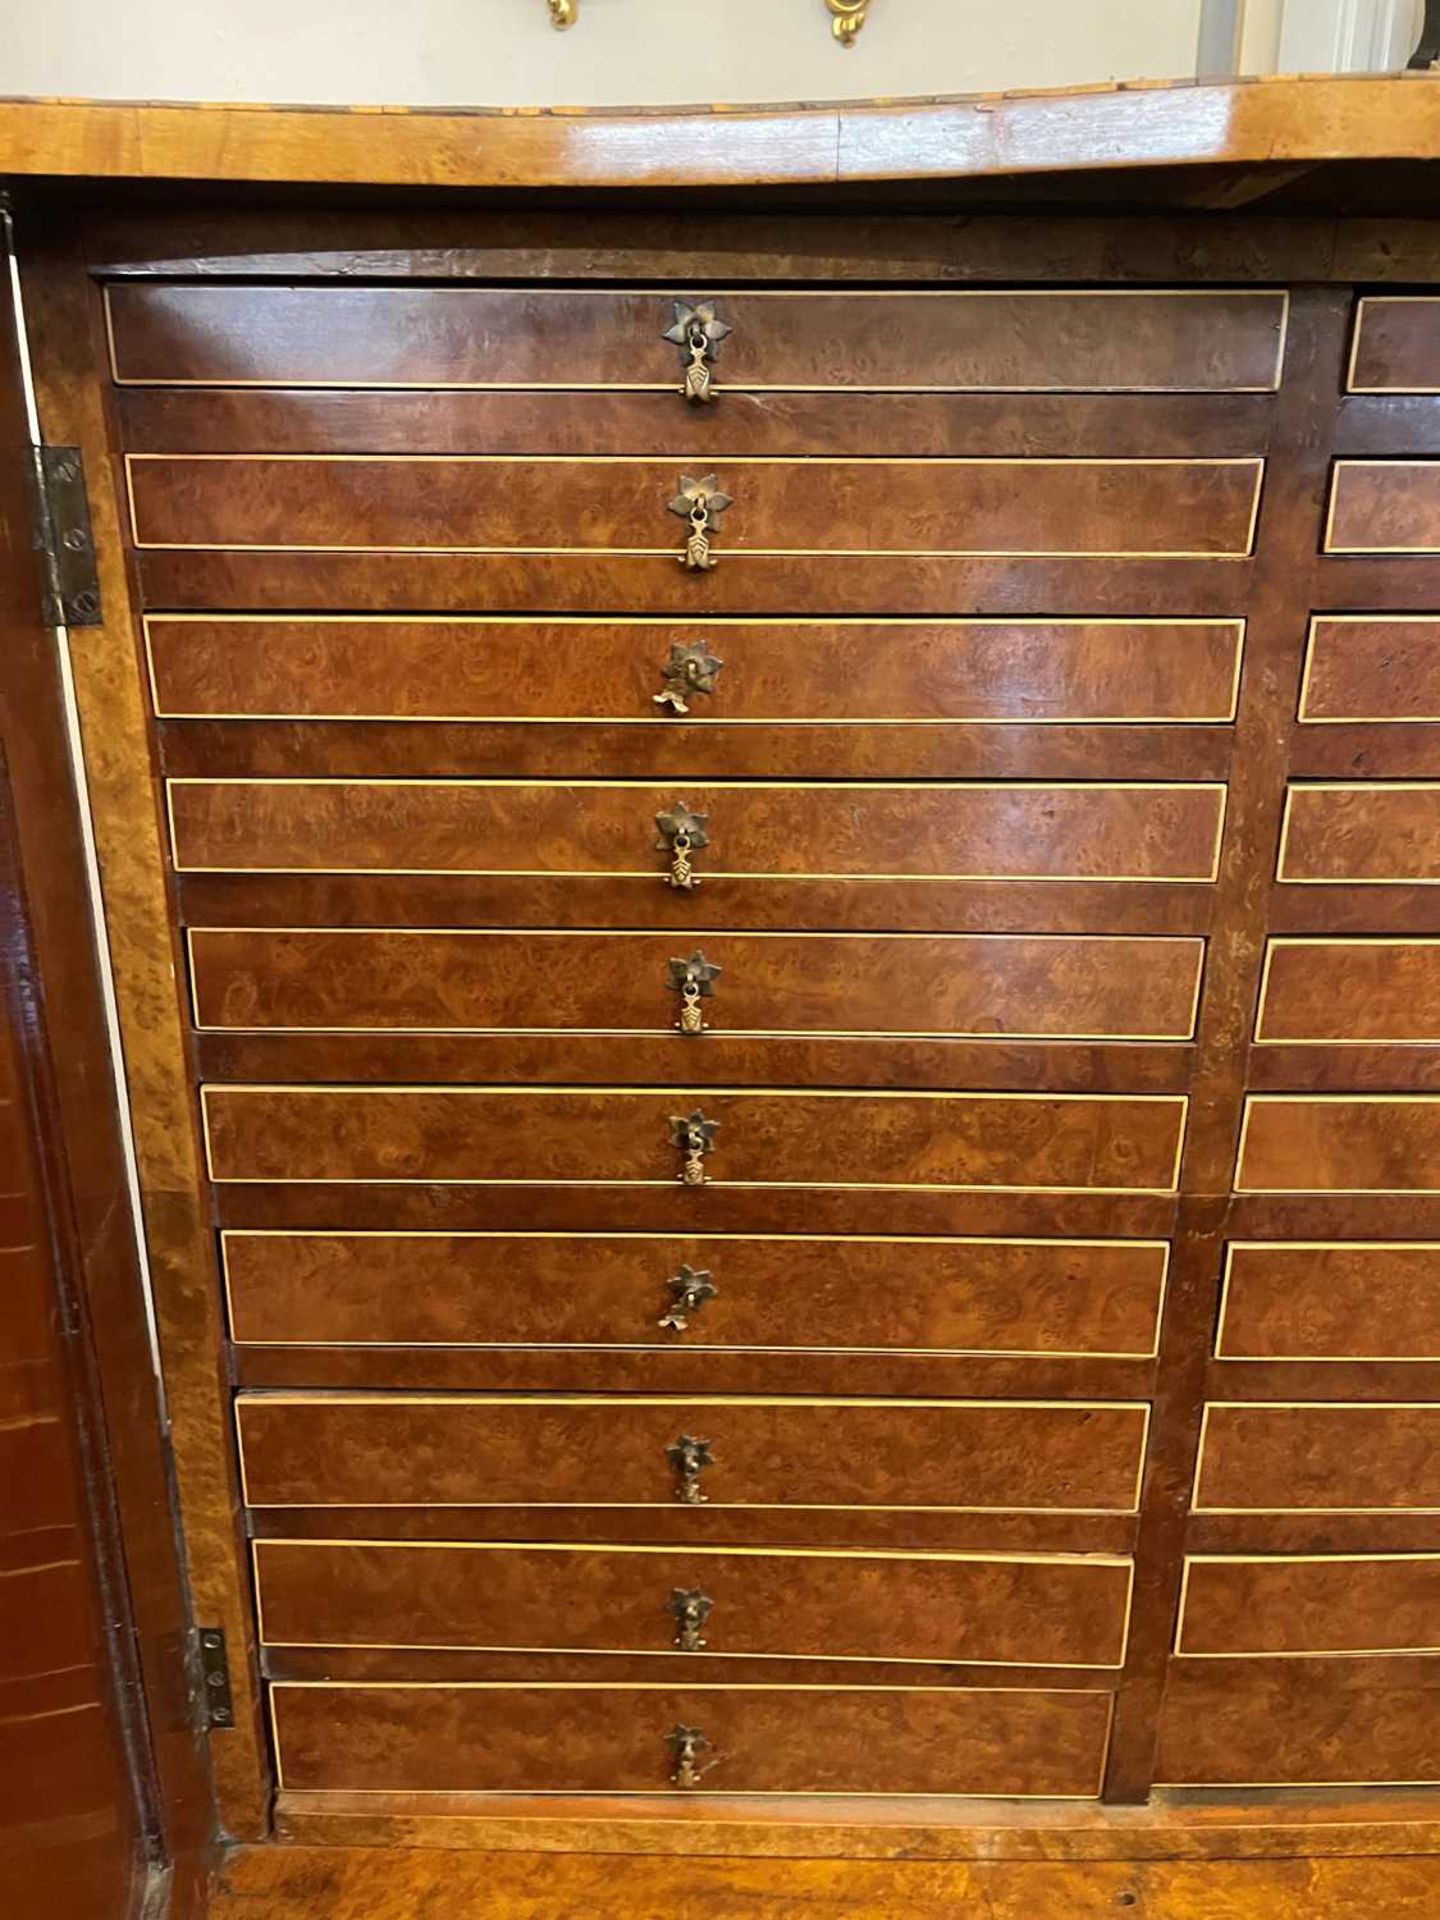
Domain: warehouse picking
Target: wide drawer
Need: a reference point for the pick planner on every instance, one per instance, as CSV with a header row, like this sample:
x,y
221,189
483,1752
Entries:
x,y
1361,833
1051,1297
491,503
1357,1300
1340,1143
1349,992
1371,667
1384,506
1111,1143
1290,1605
559,1738
842,829
399,1449
1322,1457
1396,348
1041,672
1013,1611
434,981
1112,340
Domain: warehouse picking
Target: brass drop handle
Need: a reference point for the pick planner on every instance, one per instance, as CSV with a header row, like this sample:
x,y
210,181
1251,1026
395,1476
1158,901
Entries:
x,y
690,669
686,1744
694,1135
690,1289
690,1608
689,1457
697,331
700,503
681,834
694,980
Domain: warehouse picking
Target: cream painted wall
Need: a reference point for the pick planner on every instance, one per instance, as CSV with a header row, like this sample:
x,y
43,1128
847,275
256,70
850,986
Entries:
x,y
506,53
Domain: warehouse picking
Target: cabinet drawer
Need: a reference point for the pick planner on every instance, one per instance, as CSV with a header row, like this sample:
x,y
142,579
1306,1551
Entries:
x,y
1371,667
397,1449
1016,1611
439,981
1046,1297
1397,345
1349,992
846,671
1384,506
354,336
1112,1143
492,503
1355,1604
842,829
1338,1143
1325,1457
558,1738
1362,1300
1361,834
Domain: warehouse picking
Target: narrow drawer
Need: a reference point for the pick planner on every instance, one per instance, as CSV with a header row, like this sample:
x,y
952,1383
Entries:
x,y
357,336
1358,1300
1375,1603
1384,506
1337,1723
1044,1297
1324,1457
1396,348
841,829
1041,672
410,1450
1349,992
493,503
1361,833
297,979
1017,1611
1371,667
1338,1143
1110,1143
559,1738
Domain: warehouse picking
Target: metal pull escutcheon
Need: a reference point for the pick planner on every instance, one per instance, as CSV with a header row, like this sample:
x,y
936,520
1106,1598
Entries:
x,y
689,1457
695,1136
686,1744
690,1289
681,834
701,503
694,980
697,331
690,1609
690,669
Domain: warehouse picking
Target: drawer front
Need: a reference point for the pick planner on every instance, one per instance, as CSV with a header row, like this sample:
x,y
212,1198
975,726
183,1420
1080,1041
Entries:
x,y
1041,672
1043,1297
1370,667
315,978
1336,1723
1340,1457
1123,831
358,1450
491,503
482,1738
842,1606
1361,834
1149,342
1349,992
1356,1604
1109,1143
1365,1300
1384,506
1376,1143
1396,348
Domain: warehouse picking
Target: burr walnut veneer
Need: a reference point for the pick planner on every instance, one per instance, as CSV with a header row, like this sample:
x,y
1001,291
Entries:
x,y
776,903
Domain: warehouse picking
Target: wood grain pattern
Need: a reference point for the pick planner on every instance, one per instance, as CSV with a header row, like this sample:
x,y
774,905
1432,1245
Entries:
x,y
1361,833
1396,348
1040,672
1360,1300
1121,832
581,1136
1018,1612
493,504
1376,667
1350,991
1040,1296
318,1450
763,1740
1384,506
1329,1143
1385,1603
356,336
1344,1457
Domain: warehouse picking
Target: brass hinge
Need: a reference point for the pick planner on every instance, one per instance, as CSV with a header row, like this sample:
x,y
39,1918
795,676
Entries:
x,y
70,591
217,1709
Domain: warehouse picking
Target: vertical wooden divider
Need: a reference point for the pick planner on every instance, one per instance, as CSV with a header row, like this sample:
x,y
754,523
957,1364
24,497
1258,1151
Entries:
x,y
1287,546
69,365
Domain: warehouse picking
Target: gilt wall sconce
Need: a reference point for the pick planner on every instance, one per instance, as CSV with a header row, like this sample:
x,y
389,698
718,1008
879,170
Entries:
x,y
847,17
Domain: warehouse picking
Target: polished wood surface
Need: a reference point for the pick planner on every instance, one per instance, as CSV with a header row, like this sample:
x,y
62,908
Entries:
x,y
1350,991
1361,834
1327,1458
1375,1300
1376,668
1395,348
1331,1144
1384,506
1384,1604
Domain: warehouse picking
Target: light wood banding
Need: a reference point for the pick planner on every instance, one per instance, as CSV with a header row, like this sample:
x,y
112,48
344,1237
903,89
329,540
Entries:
x,y
1361,833
1318,1300
1319,1457
1384,506
1371,668
1349,992
1396,348
1287,1606
1338,1143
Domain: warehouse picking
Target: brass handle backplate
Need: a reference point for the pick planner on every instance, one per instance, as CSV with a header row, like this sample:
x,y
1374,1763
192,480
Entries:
x,y
695,1136
697,331
694,980
690,669
689,1457
690,1609
701,503
690,1289
686,1744
681,834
